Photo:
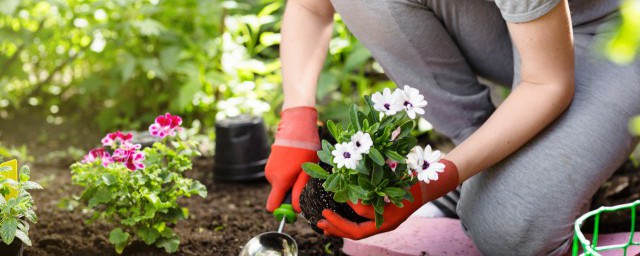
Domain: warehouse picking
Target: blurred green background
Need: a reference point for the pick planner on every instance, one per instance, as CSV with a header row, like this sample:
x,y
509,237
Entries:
x,y
87,67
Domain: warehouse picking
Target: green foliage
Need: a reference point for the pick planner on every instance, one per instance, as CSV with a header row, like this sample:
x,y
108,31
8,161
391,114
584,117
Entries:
x,y
143,203
623,47
634,126
16,213
129,58
373,181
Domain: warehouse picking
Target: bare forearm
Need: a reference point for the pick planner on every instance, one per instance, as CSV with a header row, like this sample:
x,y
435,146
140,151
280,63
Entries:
x,y
546,49
306,31
526,112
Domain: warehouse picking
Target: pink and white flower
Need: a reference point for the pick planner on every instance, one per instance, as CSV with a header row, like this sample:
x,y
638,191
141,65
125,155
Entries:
x,y
165,125
346,155
93,155
362,141
411,101
134,161
112,139
395,133
425,163
392,164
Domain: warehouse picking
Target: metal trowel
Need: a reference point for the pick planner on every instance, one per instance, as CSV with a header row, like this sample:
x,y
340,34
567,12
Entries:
x,y
275,243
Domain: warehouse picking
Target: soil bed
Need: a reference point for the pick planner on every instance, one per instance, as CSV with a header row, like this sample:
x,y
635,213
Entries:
x,y
218,225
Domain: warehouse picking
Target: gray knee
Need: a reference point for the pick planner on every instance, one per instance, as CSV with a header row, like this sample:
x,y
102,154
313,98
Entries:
x,y
501,229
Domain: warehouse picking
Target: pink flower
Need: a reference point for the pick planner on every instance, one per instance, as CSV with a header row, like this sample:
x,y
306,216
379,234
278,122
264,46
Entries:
x,y
395,133
93,155
165,125
134,162
392,164
106,159
112,138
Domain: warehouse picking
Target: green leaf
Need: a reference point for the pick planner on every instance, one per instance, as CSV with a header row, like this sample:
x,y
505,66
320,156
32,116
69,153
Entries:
x,y
394,156
118,236
358,190
170,245
379,219
378,173
332,183
8,230
375,155
358,57
315,171
102,195
362,168
365,184
341,196
148,235
30,185
353,116
333,129
394,192
23,237
325,157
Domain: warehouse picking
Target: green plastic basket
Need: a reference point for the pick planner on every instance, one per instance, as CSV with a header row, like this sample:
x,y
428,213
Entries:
x,y
591,248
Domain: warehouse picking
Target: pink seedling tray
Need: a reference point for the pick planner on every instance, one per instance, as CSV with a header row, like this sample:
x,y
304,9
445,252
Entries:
x,y
442,236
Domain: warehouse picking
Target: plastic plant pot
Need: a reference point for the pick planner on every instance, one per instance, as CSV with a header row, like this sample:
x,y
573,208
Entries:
x,y
16,248
591,248
242,149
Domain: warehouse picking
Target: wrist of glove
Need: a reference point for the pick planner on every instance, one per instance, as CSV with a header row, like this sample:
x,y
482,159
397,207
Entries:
x,y
336,225
296,142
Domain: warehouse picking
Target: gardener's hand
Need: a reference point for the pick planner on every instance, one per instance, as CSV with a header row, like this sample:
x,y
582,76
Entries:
x,y
296,143
336,225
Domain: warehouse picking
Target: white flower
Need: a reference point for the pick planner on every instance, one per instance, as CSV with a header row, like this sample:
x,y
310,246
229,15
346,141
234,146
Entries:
x,y
411,101
386,102
425,163
362,141
392,164
346,155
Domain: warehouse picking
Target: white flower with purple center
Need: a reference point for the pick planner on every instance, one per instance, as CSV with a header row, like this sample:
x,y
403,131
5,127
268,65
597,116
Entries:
x,y
386,102
362,141
346,155
411,101
425,163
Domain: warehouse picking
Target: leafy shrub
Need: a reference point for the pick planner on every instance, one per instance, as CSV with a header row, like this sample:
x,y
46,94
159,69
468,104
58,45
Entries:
x,y
16,212
138,190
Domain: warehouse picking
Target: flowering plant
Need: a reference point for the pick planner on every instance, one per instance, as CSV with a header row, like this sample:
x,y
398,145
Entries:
x,y
16,210
139,188
375,159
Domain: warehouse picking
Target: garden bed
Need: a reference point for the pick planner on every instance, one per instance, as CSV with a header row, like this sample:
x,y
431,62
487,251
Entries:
x,y
218,225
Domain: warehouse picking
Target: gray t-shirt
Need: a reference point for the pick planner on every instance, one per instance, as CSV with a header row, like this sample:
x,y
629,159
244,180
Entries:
x,y
582,11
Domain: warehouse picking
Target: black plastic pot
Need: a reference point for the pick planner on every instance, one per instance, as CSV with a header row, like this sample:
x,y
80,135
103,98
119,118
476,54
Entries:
x,y
242,149
16,248
314,199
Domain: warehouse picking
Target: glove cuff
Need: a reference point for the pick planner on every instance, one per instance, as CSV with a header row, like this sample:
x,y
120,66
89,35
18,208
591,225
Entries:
x,y
447,181
298,128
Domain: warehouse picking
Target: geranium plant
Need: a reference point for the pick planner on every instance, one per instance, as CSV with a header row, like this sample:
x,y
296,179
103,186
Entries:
x,y
138,189
17,211
375,159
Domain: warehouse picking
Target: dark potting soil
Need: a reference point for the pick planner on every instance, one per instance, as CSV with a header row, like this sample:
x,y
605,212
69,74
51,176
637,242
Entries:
x,y
15,248
314,199
218,225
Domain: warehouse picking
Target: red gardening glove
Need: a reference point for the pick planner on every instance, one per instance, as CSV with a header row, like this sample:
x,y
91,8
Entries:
x,y
335,225
296,142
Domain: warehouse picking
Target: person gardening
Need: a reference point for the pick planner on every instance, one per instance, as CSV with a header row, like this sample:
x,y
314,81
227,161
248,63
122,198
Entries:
x,y
527,168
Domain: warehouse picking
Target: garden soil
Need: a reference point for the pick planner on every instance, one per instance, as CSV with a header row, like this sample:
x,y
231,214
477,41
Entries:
x,y
218,225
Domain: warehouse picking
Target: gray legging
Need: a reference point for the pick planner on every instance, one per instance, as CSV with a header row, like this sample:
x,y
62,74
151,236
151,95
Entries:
x,y
527,203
